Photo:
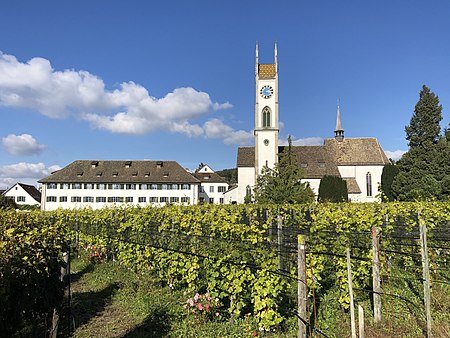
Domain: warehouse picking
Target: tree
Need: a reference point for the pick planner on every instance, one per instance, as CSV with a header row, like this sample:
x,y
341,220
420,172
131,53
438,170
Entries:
x,y
332,189
424,169
387,178
283,183
7,203
424,129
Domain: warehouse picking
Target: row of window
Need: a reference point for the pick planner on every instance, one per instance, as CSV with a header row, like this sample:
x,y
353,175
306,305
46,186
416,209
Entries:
x,y
118,199
119,186
221,188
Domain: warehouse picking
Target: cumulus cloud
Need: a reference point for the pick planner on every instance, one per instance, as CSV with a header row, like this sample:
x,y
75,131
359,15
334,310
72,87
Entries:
x,y
24,172
215,128
22,145
395,155
130,109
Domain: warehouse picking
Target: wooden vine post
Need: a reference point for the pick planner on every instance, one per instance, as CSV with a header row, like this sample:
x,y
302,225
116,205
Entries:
x,y
280,241
361,321
350,291
302,290
425,273
376,276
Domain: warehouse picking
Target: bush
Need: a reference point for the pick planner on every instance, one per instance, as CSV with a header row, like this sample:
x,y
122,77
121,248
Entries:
x,y
332,189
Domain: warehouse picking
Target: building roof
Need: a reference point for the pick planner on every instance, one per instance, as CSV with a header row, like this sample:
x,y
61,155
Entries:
x,y
209,177
352,186
356,151
87,171
318,161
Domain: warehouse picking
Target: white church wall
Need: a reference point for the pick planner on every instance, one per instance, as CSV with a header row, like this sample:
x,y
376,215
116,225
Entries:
x,y
246,177
359,173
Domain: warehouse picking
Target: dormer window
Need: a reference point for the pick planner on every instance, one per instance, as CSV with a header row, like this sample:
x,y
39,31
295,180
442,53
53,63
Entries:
x,y
321,164
115,173
94,164
79,173
127,164
166,174
159,164
147,174
99,174
304,165
134,174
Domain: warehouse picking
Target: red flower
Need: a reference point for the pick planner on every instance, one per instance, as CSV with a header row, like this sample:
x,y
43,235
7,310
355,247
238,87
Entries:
x,y
254,334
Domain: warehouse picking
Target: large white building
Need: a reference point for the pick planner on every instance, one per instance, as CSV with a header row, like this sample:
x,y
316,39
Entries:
x,y
97,184
359,161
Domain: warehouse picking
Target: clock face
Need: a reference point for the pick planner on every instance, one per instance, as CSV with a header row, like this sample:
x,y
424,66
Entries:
x,y
266,91
266,142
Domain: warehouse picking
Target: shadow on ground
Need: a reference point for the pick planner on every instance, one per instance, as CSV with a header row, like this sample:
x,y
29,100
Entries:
x,y
156,325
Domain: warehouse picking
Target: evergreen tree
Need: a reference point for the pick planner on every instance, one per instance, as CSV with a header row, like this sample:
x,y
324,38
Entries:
x,y
283,183
424,129
7,203
387,178
425,168
332,189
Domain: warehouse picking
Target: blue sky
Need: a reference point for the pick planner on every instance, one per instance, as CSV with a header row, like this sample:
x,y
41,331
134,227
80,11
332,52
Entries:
x,y
174,80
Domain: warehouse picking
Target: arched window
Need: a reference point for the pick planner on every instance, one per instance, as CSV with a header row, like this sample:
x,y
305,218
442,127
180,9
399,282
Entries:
x,y
266,117
248,191
369,184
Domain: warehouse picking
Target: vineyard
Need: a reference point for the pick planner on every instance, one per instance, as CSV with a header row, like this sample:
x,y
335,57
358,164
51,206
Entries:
x,y
245,259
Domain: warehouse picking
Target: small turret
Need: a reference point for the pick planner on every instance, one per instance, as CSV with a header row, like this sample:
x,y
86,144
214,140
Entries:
x,y
339,131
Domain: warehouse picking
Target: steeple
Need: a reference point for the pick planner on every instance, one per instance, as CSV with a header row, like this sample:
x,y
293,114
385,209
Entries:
x,y
339,131
275,53
257,58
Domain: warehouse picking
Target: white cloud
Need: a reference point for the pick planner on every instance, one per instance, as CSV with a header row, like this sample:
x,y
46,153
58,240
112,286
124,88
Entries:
x,y
130,109
395,155
24,172
215,128
24,144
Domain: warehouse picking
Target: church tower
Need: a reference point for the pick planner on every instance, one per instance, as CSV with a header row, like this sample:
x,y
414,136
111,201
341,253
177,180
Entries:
x,y
266,113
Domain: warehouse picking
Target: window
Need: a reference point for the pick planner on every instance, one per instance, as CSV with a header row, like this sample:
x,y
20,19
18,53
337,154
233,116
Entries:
x,y
75,199
129,199
51,198
174,199
115,199
101,186
131,186
142,199
163,199
154,187
248,190
20,198
202,189
76,186
221,200
211,188
211,200
52,186
153,199
266,117
65,186
89,186
174,186
222,188
186,187
100,199
88,199
115,186
164,187
369,184
63,198
145,186
185,199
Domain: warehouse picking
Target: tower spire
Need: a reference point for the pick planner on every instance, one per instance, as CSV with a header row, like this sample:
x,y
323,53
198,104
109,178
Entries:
x,y
275,52
339,131
256,58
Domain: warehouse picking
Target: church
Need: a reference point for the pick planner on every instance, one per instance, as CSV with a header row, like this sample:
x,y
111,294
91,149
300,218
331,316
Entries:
x,y
359,161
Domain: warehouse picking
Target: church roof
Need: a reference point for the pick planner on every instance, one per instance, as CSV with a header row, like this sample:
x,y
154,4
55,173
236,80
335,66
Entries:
x,y
318,161
352,186
210,177
356,151
87,171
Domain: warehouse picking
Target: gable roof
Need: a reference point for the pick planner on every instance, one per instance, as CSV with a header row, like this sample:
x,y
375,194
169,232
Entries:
x,y
209,177
356,151
87,171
